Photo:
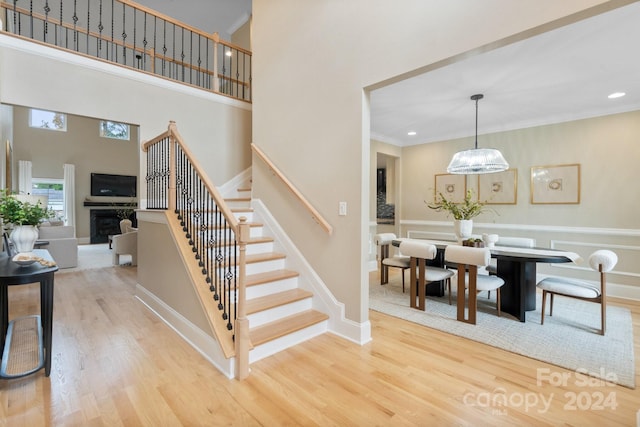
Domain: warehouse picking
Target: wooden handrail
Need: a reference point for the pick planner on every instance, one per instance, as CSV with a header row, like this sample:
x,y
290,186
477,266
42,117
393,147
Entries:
x,y
234,340
314,213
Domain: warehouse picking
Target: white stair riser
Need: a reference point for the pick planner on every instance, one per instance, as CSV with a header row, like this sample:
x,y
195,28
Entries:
x,y
264,266
234,204
276,313
259,248
271,287
255,232
248,215
275,346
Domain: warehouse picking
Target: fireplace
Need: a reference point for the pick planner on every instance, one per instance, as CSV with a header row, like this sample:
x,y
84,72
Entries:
x,y
104,222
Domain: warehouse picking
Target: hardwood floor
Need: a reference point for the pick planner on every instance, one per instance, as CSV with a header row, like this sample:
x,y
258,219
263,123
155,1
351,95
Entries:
x,y
116,364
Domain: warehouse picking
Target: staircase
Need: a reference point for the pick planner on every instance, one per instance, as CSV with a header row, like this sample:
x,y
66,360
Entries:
x,y
280,313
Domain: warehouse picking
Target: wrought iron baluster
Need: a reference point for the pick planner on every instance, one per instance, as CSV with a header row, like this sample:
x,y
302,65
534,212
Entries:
x,y
47,9
30,18
88,22
75,22
182,53
113,45
164,47
100,28
144,44
124,34
134,36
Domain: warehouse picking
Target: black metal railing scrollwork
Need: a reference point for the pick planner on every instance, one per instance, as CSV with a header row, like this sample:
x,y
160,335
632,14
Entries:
x,y
134,36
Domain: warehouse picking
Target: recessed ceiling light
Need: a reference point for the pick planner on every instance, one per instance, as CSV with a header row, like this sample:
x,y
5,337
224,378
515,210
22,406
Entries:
x,y
412,133
616,95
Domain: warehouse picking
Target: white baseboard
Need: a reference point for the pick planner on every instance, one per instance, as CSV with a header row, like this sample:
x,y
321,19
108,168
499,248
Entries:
x,y
230,188
323,299
203,343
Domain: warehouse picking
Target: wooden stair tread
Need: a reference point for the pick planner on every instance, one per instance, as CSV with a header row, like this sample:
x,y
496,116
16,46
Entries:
x,y
255,258
279,328
264,256
226,225
237,199
269,276
239,210
276,300
260,239
244,189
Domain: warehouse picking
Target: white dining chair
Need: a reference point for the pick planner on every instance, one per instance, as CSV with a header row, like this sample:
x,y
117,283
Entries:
x,y
384,241
421,274
468,260
601,261
518,242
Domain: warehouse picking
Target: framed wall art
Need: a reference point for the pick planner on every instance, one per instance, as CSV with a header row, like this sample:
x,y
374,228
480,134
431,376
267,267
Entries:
x,y
500,188
558,184
453,187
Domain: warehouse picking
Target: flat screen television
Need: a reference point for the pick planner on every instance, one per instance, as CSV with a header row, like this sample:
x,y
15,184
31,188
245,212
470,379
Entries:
x,y
103,184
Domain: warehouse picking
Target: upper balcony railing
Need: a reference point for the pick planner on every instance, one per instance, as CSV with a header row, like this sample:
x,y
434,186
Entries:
x,y
132,35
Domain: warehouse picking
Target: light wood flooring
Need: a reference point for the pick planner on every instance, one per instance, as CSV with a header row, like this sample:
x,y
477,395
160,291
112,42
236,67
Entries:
x,y
116,364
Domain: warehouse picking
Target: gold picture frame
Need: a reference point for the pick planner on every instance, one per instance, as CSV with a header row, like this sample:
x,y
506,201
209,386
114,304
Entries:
x,y
499,188
557,184
453,187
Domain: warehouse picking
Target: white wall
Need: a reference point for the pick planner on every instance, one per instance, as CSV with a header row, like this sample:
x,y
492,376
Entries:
x,y
216,128
312,63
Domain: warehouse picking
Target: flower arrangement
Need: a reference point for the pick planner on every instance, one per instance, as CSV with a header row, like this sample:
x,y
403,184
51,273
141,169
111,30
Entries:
x,y
467,209
18,212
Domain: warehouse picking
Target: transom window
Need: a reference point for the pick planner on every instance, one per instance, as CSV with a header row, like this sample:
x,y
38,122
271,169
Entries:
x,y
51,120
114,130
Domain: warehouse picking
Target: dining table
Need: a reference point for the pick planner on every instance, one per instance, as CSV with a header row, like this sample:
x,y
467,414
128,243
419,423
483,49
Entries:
x,y
517,267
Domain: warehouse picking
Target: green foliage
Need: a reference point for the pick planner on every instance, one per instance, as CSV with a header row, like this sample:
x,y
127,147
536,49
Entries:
x,y
468,209
16,212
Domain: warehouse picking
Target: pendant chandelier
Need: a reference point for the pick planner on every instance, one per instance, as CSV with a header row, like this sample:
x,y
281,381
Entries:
x,y
478,160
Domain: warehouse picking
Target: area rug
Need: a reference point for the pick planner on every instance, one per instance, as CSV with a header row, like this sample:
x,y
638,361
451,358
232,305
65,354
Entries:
x,y
569,339
95,256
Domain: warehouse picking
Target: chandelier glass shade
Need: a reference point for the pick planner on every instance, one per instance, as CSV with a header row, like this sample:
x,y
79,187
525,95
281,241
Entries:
x,y
477,160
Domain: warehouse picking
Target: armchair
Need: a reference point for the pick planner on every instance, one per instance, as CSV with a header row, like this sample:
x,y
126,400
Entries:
x,y
63,244
125,243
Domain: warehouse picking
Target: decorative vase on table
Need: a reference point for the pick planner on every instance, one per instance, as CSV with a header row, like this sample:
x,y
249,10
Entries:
x,y
24,237
463,228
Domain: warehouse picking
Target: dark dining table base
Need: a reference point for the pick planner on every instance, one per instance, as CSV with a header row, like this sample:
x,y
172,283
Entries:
x,y
518,295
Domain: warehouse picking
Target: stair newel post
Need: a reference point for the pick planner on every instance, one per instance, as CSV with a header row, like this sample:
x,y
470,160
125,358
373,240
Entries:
x,y
242,340
172,167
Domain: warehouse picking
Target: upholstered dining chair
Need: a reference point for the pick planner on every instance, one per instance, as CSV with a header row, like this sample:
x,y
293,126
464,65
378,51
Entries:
x,y
384,241
468,260
421,275
518,242
601,261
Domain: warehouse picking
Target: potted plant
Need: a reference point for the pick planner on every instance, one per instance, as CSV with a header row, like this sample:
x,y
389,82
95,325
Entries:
x,y
463,212
22,217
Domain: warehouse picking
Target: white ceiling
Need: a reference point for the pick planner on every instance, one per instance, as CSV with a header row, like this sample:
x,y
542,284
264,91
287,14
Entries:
x,y
211,16
565,74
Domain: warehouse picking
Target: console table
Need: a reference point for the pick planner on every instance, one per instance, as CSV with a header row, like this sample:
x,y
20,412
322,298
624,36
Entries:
x,y
12,274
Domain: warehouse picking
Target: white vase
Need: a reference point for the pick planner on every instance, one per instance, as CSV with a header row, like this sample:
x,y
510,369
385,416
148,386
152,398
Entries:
x,y
24,237
463,228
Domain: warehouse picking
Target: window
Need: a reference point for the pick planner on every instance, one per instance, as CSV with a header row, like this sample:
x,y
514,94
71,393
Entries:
x,y
47,120
54,190
114,130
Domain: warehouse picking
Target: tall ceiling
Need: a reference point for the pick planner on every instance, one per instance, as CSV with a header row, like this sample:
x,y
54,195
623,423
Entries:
x,y
561,75
565,74
211,16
